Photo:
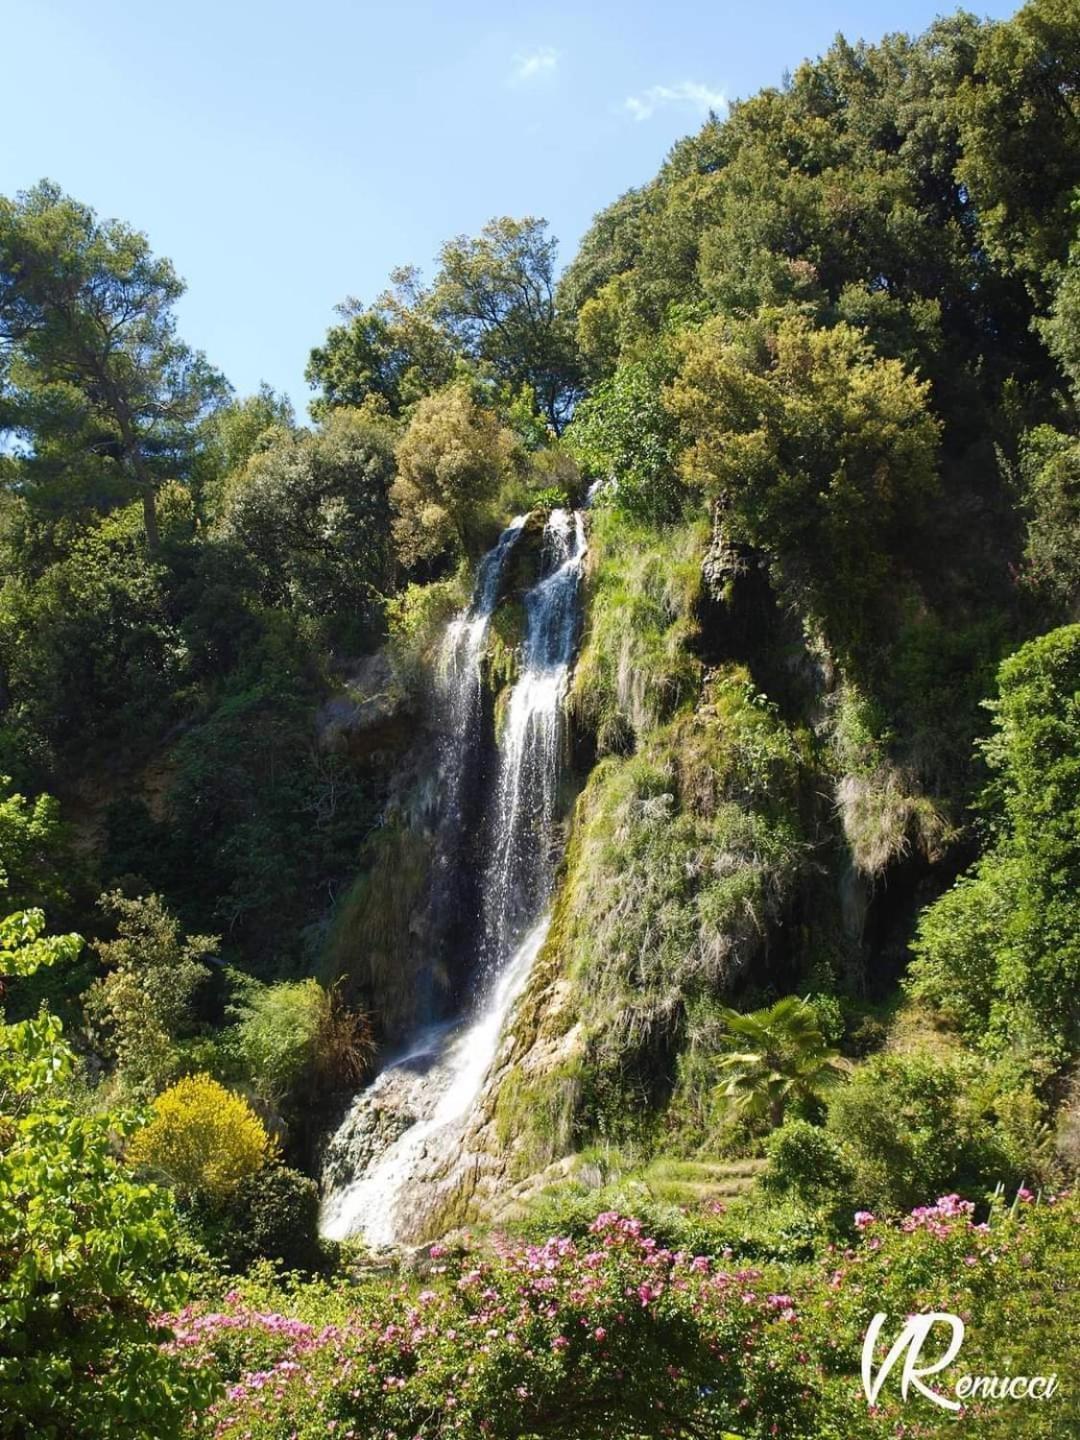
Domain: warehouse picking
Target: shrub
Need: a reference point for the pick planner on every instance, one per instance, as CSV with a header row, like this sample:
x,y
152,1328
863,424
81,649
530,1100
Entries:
x,y
615,1336
298,1034
202,1138
1001,952
919,1123
807,1162
822,453
87,1255
275,1214
622,433
144,1002
615,1333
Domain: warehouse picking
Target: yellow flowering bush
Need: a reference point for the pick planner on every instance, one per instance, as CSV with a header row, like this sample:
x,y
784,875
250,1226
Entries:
x,y
202,1138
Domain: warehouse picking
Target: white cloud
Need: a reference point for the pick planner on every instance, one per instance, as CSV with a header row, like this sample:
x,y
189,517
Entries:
x,y
532,66
687,93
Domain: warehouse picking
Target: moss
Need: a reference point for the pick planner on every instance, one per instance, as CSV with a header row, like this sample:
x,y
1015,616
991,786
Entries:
x,y
535,1116
883,816
502,652
636,667
682,858
417,619
372,942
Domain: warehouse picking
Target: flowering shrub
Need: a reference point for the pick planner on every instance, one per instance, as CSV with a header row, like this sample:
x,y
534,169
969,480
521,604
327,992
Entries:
x,y
202,1138
615,1335
1013,1279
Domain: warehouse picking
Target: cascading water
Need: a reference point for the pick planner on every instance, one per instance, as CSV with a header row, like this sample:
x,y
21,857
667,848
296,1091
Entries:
x,y
454,890
413,1115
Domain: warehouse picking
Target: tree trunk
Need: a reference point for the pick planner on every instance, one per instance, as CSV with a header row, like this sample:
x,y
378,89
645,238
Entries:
x,y
150,525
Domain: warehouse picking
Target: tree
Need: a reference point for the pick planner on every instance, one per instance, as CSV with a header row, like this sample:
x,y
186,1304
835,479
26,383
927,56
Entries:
x,y
87,1255
495,294
1050,472
622,433
33,843
233,433
93,363
143,1004
450,461
1000,951
90,648
819,453
393,351
202,1139
1020,136
309,515
785,1060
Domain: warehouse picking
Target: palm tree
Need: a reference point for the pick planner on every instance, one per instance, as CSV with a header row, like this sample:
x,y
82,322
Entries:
x,y
785,1057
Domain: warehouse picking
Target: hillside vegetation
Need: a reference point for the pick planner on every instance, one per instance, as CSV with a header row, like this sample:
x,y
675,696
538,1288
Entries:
x,y
803,1041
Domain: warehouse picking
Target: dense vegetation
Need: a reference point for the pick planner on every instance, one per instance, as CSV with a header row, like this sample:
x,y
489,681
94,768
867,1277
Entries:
x,y
819,910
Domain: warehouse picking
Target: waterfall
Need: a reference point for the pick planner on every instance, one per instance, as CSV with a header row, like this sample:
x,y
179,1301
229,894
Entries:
x,y
411,1119
454,891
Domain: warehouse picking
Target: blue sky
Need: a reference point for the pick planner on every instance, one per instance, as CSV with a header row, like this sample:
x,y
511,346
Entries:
x,y
286,155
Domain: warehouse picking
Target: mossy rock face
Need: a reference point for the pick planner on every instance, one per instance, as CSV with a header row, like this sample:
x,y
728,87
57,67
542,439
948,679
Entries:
x,y
377,944
637,667
375,710
524,566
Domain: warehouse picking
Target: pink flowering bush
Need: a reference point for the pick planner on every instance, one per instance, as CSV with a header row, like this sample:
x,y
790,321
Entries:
x,y
1014,1280
615,1335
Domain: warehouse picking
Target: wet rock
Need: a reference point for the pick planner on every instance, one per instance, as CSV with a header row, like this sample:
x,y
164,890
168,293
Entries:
x,y
371,712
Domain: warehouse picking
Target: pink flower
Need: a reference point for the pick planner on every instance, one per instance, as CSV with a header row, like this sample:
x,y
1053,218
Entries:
x,y
863,1218
600,1334
560,1343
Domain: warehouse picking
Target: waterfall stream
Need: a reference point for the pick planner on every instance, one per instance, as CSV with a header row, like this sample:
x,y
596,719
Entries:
x,y
412,1117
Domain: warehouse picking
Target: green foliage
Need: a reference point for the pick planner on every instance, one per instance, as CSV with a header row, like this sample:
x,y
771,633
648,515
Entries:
x,y
310,515
143,1005
261,824
274,1215
807,1162
955,967
370,944
636,665
495,295
234,433
821,455
1000,952
33,848
392,352
296,1041
681,858
623,435
781,1059
451,462
202,1139
87,1257
918,1124
1021,137
539,1340
96,368
90,646
1050,470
